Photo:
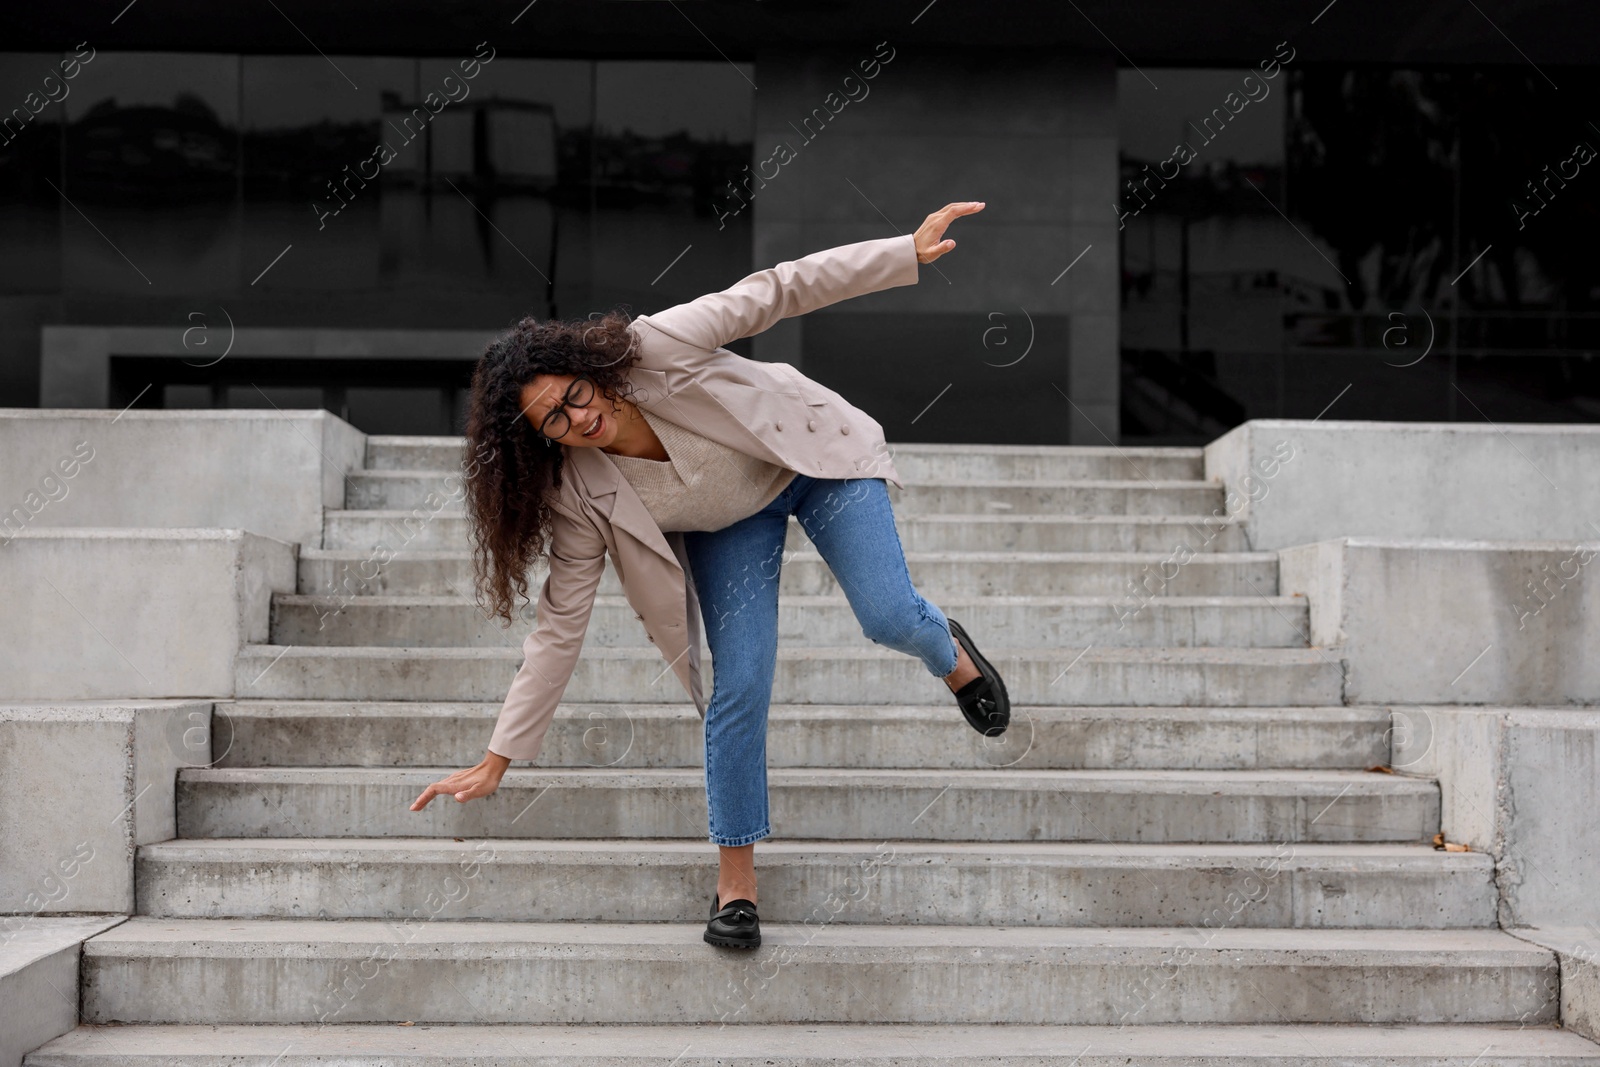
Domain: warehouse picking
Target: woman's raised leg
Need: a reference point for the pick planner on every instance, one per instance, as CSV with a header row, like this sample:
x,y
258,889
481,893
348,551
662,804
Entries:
x,y
852,524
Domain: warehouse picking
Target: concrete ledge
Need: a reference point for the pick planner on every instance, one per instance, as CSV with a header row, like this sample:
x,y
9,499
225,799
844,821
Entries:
x,y
271,472
39,979
95,614
1522,784
1578,954
822,1045
75,361
81,787
1454,622
1408,479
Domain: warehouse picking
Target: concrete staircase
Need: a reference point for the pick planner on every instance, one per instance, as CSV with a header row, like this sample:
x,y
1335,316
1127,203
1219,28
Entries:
x,y
1177,854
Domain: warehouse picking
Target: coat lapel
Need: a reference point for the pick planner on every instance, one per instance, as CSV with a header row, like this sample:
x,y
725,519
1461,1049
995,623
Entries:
x,y
711,417
610,494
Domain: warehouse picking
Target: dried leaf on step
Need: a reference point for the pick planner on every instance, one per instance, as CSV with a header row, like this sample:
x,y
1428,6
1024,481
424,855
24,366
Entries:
x,y
1380,768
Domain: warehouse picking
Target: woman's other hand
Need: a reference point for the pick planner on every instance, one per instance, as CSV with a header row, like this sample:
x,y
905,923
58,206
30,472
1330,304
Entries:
x,y
469,784
930,245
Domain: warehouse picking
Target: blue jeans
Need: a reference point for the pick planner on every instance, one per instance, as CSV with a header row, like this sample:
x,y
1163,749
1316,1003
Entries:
x,y
735,572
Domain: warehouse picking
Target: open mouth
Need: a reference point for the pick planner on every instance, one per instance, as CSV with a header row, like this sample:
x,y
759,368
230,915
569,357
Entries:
x,y
594,427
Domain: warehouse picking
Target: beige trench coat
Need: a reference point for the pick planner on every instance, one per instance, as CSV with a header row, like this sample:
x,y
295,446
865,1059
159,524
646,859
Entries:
x,y
685,376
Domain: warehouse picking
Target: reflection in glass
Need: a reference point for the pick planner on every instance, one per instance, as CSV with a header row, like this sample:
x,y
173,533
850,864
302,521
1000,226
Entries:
x,y
150,157
30,160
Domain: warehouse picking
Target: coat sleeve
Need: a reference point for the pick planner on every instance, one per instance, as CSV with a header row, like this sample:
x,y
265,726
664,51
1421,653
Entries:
x,y
577,559
793,287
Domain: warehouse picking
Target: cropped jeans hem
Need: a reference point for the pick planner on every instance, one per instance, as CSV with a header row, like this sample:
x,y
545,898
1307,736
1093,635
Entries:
x,y
747,839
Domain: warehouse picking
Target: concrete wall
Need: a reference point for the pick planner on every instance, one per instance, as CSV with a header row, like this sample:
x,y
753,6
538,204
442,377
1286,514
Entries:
x,y
96,614
1443,622
270,472
1521,784
1032,134
1578,951
81,785
39,960
1410,479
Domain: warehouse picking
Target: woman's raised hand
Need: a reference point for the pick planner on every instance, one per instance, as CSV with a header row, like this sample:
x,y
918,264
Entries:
x,y
469,784
930,239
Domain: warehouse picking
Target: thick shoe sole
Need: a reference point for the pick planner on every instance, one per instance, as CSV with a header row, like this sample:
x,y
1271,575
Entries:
x,y
731,942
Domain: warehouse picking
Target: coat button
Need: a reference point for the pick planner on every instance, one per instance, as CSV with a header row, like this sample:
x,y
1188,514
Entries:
x,y
778,425
811,424
844,429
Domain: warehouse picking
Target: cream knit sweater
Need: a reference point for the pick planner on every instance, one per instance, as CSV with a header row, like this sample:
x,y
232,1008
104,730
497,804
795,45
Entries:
x,y
703,484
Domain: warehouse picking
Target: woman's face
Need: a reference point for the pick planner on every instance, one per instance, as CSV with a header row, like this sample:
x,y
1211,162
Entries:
x,y
543,392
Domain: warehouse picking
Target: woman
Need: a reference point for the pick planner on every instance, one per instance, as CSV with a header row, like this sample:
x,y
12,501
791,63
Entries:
x,y
647,441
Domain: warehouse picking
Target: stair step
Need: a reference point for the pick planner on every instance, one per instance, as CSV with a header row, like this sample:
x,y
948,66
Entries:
x,y
819,1044
402,489
915,462
813,619
1132,577
270,733
822,803
286,970
447,530
1048,884
1254,677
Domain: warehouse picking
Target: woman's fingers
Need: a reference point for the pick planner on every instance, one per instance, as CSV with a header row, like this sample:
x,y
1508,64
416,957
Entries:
x,y
427,795
950,212
930,240
467,784
458,785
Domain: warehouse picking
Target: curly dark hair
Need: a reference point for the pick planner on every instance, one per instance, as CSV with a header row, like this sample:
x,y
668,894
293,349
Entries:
x,y
514,473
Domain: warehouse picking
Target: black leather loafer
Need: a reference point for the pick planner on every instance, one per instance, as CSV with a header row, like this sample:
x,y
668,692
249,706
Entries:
x,y
735,924
983,700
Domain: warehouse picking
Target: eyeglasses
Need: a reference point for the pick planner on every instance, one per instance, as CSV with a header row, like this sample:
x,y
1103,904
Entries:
x,y
556,423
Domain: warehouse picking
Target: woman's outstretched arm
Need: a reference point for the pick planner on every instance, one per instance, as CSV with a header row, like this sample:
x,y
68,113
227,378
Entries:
x,y
577,559
795,287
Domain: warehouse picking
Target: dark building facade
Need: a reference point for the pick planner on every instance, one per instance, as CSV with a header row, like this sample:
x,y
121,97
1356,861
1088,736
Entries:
x,y
1197,214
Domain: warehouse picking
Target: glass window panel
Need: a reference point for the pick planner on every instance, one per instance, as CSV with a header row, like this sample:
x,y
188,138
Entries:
x,y
668,136
287,397
30,159
151,163
311,127
381,409
498,199
186,396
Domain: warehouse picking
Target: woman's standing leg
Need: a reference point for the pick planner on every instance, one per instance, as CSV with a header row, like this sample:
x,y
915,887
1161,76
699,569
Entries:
x,y
736,573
